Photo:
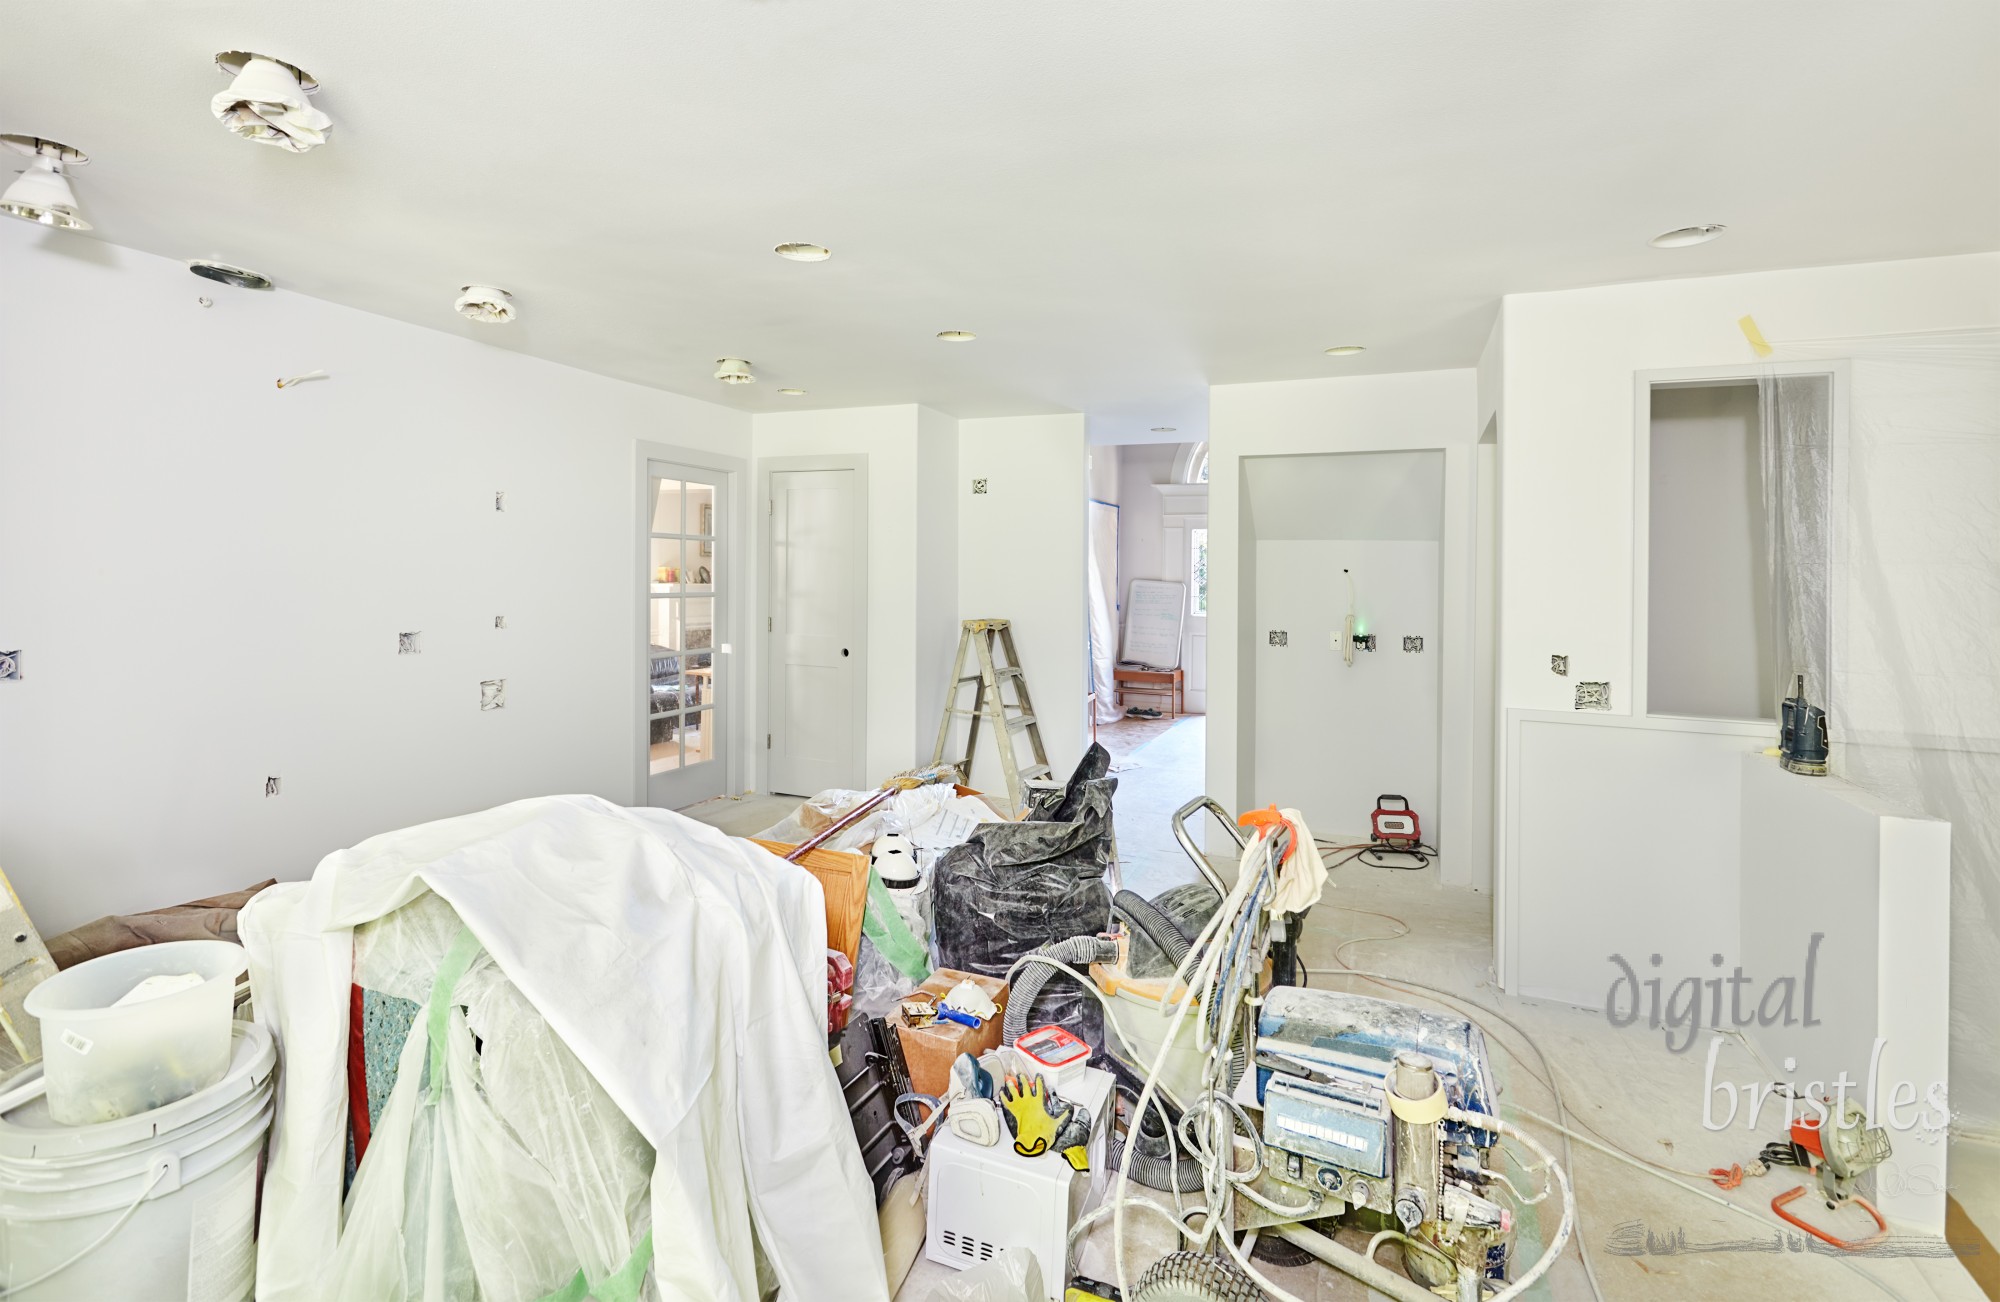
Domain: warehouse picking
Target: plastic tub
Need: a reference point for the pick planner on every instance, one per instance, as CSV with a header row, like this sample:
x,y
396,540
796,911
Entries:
x,y
103,1063
159,1208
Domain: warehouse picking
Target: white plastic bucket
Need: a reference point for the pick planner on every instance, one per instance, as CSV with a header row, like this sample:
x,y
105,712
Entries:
x,y
102,1063
158,1207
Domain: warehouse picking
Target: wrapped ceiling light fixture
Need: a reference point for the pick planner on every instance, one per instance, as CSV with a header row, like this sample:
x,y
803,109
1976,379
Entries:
x,y
267,102
485,304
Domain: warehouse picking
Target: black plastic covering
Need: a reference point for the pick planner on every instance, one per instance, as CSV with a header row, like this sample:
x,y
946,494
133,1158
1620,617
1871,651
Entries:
x,y
1014,887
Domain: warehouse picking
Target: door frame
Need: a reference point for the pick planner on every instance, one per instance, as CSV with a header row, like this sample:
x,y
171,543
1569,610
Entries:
x,y
857,462
734,737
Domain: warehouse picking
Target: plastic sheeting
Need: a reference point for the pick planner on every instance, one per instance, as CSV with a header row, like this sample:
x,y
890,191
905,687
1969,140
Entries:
x,y
1101,589
1015,887
1886,542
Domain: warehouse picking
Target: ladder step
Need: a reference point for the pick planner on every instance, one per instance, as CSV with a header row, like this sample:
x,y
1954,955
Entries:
x,y
1025,721
997,673
1039,771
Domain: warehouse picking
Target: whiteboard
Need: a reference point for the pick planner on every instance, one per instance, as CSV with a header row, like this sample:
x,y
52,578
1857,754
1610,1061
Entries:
x,y
1153,624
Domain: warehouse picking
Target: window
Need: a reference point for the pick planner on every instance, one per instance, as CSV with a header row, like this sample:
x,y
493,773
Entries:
x,y
1198,569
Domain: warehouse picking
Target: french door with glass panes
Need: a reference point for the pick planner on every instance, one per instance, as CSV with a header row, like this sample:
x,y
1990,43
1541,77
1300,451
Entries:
x,y
687,588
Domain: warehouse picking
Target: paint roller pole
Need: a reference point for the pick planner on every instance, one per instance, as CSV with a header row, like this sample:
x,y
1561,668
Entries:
x,y
901,782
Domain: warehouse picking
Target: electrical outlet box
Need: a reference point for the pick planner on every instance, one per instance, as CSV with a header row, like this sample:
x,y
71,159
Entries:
x,y
493,694
1279,637
10,666
1593,696
1364,641
1413,644
271,786
409,644
1559,665
978,486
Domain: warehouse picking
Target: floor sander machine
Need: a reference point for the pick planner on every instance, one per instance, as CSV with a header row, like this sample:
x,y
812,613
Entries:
x,y
1263,1110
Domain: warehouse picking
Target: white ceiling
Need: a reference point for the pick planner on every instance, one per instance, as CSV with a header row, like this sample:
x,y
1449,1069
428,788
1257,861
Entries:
x,y
1128,201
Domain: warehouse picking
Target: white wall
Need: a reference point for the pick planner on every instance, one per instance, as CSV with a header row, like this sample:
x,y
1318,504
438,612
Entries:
x,y
1568,365
910,452
1021,557
1429,409
1329,737
206,576
1140,467
937,506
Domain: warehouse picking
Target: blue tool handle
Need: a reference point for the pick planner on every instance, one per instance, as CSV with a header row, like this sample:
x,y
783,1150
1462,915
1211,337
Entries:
x,y
946,1013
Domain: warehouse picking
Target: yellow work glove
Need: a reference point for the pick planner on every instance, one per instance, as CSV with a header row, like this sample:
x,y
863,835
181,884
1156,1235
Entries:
x,y
1026,1106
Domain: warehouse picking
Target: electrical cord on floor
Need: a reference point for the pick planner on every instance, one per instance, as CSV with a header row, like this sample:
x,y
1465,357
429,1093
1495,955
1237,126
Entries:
x,y
1657,1170
1424,854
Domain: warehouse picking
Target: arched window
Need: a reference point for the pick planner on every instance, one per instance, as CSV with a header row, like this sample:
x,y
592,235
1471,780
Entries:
x,y
1191,464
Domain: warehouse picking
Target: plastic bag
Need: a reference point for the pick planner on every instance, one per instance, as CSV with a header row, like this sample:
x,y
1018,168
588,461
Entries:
x,y
1013,1276
883,925
502,1172
1014,887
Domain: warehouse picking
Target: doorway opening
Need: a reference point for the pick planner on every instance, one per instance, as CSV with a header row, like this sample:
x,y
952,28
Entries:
x,y
1147,589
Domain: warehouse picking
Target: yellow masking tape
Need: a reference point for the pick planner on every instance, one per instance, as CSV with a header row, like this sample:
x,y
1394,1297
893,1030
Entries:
x,y
1758,344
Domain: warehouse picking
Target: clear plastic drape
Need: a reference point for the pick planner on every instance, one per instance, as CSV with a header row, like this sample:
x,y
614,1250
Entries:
x,y
1889,602
1101,595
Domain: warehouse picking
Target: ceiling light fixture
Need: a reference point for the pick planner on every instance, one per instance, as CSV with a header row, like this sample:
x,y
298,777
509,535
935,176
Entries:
x,y
1687,235
42,194
793,393
804,252
266,102
485,304
733,370
1164,429
957,336
1346,350
225,274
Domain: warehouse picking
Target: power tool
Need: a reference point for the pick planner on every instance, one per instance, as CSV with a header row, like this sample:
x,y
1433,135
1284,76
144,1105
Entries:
x,y
1802,743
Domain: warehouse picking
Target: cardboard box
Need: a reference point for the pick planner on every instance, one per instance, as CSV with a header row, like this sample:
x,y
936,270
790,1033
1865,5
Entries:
x,y
929,1051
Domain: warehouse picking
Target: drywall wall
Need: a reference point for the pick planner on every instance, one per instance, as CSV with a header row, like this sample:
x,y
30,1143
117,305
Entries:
x,y
207,575
1426,409
1021,557
1868,924
910,453
1331,737
937,508
1708,590
1568,365
1632,828
1140,467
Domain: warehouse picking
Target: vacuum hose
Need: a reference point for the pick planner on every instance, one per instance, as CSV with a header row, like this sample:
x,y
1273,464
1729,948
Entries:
x,y
1077,951
1143,915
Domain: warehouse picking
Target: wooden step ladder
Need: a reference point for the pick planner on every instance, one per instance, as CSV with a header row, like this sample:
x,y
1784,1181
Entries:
x,y
990,706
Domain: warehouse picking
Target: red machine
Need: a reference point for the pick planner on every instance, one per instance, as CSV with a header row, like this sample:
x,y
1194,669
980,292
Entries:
x,y
1395,825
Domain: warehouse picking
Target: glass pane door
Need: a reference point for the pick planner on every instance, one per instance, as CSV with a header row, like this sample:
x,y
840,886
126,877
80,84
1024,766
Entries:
x,y
684,588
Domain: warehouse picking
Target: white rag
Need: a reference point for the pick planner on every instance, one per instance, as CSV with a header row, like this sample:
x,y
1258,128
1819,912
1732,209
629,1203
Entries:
x,y
1302,876
267,104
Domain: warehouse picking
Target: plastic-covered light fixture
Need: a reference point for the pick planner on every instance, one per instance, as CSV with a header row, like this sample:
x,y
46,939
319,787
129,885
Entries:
x,y
225,273
957,336
1687,235
804,252
793,393
485,304
42,194
1346,350
266,102
733,370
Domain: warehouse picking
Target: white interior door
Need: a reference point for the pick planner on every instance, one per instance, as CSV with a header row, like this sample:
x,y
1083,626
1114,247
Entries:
x,y
687,587
814,651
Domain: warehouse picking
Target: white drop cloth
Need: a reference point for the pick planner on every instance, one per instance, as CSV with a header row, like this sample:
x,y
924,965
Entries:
x,y
685,969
